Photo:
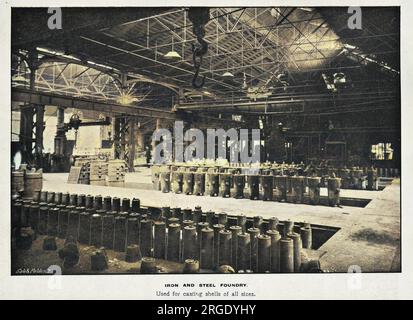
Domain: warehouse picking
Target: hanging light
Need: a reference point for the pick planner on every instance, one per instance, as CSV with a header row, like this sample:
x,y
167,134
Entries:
x,y
227,74
173,55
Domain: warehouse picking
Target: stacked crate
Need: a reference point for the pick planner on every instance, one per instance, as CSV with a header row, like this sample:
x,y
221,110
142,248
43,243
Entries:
x,y
116,173
98,172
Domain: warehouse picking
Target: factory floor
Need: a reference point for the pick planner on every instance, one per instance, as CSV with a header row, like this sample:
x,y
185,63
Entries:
x,y
368,237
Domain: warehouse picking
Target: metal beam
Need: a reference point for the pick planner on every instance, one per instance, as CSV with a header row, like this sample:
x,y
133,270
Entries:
x,y
43,98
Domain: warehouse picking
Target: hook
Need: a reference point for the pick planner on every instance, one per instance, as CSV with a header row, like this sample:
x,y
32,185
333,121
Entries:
x,y
197,65
195,78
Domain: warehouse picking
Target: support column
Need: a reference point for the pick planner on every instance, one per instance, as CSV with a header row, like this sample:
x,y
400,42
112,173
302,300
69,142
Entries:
x,y
32,123
124,139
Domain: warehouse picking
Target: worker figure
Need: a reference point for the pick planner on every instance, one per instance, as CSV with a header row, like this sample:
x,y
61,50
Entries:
x,y
148,155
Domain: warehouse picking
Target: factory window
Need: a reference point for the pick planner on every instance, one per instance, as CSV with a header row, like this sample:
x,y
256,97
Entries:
x,y
382,151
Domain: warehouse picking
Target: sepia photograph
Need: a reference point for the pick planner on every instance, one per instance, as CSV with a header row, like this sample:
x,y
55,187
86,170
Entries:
x,y
193,140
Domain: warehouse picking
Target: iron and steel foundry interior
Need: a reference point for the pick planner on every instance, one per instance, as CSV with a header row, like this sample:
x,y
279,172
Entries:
x,y
90,86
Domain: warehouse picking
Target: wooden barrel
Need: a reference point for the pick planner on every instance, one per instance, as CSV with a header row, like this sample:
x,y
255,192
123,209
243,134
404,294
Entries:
x,y
17,181
33,181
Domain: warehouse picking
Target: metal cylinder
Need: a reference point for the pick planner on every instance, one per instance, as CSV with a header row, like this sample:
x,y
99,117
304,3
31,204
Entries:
x,y
166,213
107,203
34,216
200,226
288,227
159,246
36,196
298,188
191,266
225,245
254,232
43,196
207,248
172,220
197,215
187,214
24,216
98,202
119,242
136,205
267,182
257,222
188,183
58,198
96,230
281,185
223,218
217,228
297,250
73,199
239,184
148,265
242,221
173,242
146,237
50,197
73,225
53,222
275,250
314,190
177,213
63,221
235,230
89,201
16,215
165,177
125,205
187,223
372,179
306,237
264,253
108,230
225,183
84,227
132,236
243,251
254,186
115,204
177,181
333,186
286,255
81,200
189,250
209,217
199,183
272,223
213,184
